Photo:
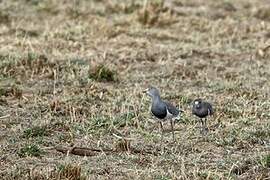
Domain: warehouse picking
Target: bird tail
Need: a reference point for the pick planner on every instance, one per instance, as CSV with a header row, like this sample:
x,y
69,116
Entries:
x,y
178,117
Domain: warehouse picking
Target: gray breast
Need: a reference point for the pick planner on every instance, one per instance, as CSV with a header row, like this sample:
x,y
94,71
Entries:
x,y
159,109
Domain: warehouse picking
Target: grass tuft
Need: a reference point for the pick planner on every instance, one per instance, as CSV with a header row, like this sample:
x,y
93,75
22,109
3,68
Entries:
x,y
35,131
265,161
13,90
154,13
102,73
263,13
69,171
4,18
30,150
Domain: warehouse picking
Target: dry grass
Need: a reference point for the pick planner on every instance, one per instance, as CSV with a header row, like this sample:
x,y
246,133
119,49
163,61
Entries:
x,y
72,74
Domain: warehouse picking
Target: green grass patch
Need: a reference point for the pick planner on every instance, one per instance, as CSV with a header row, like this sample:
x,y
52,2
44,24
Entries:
x,y
30,150
35,131
260,135
265,161
104,122
102,73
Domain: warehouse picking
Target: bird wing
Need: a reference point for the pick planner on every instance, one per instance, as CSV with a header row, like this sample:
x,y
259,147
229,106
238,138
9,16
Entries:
x,y
172,109
210,109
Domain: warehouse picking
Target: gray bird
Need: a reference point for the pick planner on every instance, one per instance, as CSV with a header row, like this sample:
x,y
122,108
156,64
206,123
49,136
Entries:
x,y
202,109
163,110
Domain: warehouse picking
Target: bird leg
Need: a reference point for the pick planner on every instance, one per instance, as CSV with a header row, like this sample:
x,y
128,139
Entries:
x,y
205,126
202,126
202,123
162,131
172,127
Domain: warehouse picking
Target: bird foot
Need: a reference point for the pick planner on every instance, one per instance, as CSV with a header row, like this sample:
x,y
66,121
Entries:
x,y
204,130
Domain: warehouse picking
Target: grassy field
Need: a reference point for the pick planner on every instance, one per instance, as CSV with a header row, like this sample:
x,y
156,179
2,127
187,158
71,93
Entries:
x,y
73,74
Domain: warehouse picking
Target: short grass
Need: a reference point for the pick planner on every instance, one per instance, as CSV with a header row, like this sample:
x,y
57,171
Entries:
x,y
73,74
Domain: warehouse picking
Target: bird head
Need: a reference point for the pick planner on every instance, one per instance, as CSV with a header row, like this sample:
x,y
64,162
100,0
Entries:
x,y
152,92
197,103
